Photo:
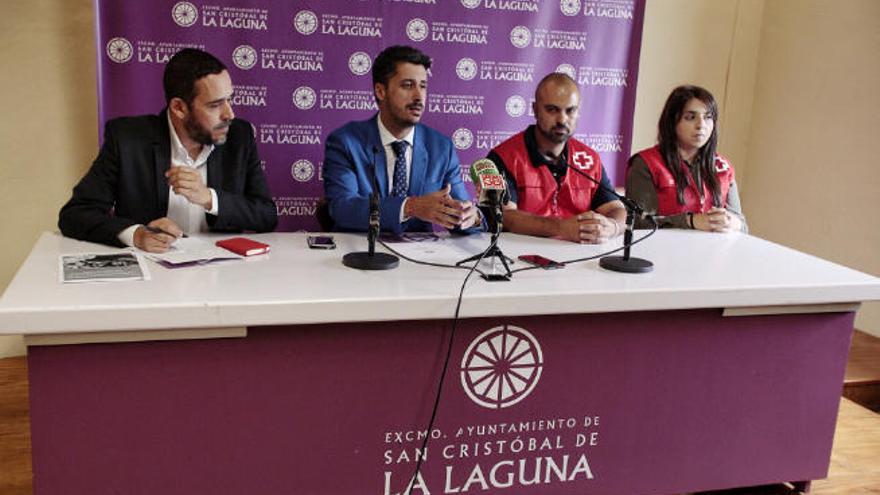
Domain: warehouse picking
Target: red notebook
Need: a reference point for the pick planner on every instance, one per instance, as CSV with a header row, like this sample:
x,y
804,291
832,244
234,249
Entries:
x,y
243,246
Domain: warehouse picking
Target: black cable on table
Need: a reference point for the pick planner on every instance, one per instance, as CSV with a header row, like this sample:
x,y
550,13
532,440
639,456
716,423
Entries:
x,y
471,271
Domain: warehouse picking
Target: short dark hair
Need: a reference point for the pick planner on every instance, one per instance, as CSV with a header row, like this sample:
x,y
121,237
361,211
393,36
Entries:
x,y
386,62
185,68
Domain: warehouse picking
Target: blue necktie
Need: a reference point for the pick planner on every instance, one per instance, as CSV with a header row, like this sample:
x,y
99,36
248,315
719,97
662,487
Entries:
x,y
399,186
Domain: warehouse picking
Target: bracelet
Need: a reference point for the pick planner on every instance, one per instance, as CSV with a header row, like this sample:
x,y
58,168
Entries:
x,y
691,219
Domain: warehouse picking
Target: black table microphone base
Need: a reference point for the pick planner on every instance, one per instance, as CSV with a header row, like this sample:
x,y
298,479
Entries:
x,y
363,260
626,264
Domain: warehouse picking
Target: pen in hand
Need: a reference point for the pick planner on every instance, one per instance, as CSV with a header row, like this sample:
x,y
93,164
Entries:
x,y
157,230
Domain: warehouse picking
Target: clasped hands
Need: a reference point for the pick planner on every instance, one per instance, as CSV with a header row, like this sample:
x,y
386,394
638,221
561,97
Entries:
x,y
589,228
717,220
441,208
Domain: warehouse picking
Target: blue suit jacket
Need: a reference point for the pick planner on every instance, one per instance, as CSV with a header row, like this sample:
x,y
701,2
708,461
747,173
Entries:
x,y
351,155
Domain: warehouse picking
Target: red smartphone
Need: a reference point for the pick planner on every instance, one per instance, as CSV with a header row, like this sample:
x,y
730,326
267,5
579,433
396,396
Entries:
x,y
540,261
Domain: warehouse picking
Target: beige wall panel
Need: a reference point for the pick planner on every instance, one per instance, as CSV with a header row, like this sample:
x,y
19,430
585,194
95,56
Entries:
x,y
813,179
709,43
48,134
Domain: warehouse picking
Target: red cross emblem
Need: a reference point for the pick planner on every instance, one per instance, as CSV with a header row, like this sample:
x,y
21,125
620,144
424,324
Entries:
x,y
582,160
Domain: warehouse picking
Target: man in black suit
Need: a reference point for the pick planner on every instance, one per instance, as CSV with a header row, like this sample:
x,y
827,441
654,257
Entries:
x,y
192,168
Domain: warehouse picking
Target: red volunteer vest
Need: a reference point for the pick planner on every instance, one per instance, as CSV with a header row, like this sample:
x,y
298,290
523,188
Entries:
x,y
664,184
537,190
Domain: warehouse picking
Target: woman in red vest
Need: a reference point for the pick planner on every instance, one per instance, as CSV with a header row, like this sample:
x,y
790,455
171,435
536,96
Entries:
x,y
682,179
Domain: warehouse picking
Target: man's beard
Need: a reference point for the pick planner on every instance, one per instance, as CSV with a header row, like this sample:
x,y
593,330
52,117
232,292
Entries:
x,y
554,138
201,135
404,119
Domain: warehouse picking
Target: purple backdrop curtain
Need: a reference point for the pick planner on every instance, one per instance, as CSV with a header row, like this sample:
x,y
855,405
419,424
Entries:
x,y
302,69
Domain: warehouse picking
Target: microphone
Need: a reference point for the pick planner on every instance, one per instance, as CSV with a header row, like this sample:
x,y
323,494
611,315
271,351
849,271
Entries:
x,y
493,196
493,187
493,192
370,259
624,263
374,228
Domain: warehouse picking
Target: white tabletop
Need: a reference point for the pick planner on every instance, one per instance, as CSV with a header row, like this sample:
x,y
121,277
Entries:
x,y
294,284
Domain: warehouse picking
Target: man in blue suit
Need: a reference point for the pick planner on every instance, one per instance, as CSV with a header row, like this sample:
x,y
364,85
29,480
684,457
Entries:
x,y
416,167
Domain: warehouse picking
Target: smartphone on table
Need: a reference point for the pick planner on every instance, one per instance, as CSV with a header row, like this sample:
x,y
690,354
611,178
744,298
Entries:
x,y
540,261
321,242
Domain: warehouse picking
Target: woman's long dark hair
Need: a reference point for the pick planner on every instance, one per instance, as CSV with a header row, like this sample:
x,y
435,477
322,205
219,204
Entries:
x,y
668,140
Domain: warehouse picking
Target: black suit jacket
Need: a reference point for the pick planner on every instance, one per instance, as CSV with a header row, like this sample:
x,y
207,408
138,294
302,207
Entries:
x,y
126,184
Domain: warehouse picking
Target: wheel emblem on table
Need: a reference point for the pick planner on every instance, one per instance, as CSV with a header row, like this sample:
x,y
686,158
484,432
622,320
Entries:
x,y
501,367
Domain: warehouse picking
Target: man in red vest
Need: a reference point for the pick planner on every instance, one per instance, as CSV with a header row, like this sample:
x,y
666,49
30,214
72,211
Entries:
x,y
546,199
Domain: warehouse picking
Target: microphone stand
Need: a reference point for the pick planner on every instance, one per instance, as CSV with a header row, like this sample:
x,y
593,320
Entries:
x,y
625,263
493,251
370,259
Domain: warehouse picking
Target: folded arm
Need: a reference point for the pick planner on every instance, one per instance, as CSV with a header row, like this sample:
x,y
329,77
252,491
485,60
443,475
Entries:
x,y
248,206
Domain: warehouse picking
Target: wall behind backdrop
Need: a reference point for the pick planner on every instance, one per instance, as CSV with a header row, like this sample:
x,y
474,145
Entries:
x,y
302,69
807,86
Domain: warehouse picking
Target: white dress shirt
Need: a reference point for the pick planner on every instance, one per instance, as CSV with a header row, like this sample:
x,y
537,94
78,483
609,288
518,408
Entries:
x,y
387,138
188,216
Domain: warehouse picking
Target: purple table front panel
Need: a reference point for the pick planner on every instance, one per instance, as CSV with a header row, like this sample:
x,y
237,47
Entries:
x,y
646,403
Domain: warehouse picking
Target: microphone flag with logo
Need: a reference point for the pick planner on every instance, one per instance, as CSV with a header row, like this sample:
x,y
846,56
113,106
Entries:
x,y
489,183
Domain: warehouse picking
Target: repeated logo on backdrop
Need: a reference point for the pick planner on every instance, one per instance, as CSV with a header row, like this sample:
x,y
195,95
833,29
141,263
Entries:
x,y
119,50
185,14
302,69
